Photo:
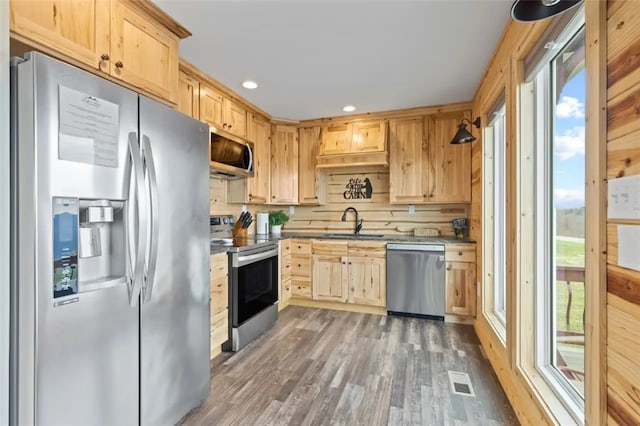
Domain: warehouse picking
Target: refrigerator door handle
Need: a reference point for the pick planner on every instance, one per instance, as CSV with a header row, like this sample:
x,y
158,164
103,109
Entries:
x,y
150,269
136,265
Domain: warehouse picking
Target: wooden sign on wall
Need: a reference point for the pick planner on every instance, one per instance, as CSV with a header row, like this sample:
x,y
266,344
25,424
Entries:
x,y
358,189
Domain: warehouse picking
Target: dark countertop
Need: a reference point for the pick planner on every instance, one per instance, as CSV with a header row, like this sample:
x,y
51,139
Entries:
x,y
385,238
218,249
215,249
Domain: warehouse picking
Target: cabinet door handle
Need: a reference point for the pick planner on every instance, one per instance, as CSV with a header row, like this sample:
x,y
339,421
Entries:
x,y
119,64
459,253
448,268
229,126
105,57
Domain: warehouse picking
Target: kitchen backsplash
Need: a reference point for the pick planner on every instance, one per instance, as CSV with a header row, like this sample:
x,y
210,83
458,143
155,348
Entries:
x,y
355,184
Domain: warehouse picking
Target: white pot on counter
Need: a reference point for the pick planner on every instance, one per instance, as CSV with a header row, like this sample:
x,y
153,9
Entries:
x,y
276,229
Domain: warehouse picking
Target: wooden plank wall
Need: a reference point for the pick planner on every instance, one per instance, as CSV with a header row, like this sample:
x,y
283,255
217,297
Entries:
x,y
378,215
623,159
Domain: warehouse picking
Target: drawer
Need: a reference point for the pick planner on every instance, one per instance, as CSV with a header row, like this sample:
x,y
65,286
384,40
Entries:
x,y
285,247
368,248
300,247
460,253
301,289
285,268
219,265
333,248
219,294
219,329
285,290
301,265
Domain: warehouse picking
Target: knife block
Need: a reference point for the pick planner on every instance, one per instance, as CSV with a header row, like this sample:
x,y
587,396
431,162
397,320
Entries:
x,y
238,231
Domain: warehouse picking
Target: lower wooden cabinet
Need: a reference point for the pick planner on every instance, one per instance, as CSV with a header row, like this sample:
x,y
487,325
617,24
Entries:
x,y
219,297
461,279
284,254
367,281
350,272
301,269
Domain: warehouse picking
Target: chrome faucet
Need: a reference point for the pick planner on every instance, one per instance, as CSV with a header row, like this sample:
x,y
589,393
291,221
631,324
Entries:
x,y
358,223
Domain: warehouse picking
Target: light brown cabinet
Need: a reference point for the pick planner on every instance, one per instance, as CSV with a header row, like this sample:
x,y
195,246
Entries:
x,y
256,189
408,161
330,274
312,185
135,42
353,144
460,279
423,166
301,269
285,273
349,271
219,300
222,112
284,165
188,95
78,29
450,165
369,137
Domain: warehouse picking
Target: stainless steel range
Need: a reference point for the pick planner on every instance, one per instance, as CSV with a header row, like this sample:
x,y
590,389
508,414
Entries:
x,y
253,282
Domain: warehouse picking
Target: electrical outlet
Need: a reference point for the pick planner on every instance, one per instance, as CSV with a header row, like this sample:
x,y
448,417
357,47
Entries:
x,y
412,209
292,210
244,208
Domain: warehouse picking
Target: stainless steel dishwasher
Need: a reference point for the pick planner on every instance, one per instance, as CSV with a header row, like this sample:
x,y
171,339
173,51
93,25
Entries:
x,y
416,280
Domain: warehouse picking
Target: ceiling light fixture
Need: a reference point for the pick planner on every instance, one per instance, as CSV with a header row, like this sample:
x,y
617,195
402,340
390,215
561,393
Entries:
x,y
463,135
348,108
250,84
535,10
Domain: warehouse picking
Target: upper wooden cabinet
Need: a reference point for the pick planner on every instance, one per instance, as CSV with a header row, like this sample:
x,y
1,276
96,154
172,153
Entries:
x,y
408,161
353,144
450,165
188,95
284,165
222,112
132,41
312,186
369,137
336,139
423,166
78,29
255,189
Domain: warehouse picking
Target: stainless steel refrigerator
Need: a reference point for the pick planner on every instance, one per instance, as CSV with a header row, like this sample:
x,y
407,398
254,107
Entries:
x,y
110,252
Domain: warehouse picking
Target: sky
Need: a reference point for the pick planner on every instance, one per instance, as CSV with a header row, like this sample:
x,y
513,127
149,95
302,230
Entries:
x,y
569,143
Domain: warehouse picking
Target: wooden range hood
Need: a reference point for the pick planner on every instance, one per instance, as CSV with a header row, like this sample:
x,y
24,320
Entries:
x,y
354,144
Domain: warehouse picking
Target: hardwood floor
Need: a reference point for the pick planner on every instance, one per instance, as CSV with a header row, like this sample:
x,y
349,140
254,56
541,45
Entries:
x,y
318,367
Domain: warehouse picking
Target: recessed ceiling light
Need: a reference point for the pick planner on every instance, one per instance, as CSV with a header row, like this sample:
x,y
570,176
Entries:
x,y
250,84
348,108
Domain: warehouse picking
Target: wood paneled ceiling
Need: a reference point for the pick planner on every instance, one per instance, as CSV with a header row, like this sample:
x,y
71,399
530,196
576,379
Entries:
x,y
311,58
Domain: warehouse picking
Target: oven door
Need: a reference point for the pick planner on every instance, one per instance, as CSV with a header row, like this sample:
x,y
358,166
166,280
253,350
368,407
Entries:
x,y
254,288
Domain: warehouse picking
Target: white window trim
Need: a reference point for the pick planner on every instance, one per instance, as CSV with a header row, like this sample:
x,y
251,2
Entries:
x,y
490,259
544,326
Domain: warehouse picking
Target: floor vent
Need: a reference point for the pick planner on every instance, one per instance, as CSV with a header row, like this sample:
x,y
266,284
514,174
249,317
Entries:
x,y
461,383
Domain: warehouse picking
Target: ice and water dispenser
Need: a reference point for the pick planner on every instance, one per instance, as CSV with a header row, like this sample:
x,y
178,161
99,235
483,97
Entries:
x,y
89,246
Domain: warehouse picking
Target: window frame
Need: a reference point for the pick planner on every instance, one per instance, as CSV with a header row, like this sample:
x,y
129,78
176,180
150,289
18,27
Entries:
x,y
544,241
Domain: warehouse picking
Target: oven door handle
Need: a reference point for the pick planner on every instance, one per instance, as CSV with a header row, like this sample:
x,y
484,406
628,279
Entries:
x,y
239,260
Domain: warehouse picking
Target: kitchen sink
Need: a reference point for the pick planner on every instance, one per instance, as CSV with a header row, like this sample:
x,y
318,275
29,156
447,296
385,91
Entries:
x,y
359,237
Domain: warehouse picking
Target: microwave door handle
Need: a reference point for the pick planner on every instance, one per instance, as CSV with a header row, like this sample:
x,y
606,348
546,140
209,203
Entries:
x,y
150,269
250,158
137,263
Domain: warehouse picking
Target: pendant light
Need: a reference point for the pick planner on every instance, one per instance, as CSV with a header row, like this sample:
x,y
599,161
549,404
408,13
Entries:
x,y
463,135
534,10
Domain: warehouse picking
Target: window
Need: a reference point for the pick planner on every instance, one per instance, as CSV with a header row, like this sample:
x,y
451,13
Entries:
x,y
494,220
559,95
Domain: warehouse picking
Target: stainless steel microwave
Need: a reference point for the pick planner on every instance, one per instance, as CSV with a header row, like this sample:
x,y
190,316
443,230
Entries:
x,y
231,157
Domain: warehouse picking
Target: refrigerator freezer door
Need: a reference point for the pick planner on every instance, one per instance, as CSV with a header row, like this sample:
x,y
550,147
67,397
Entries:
x,y
75,363
174,322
